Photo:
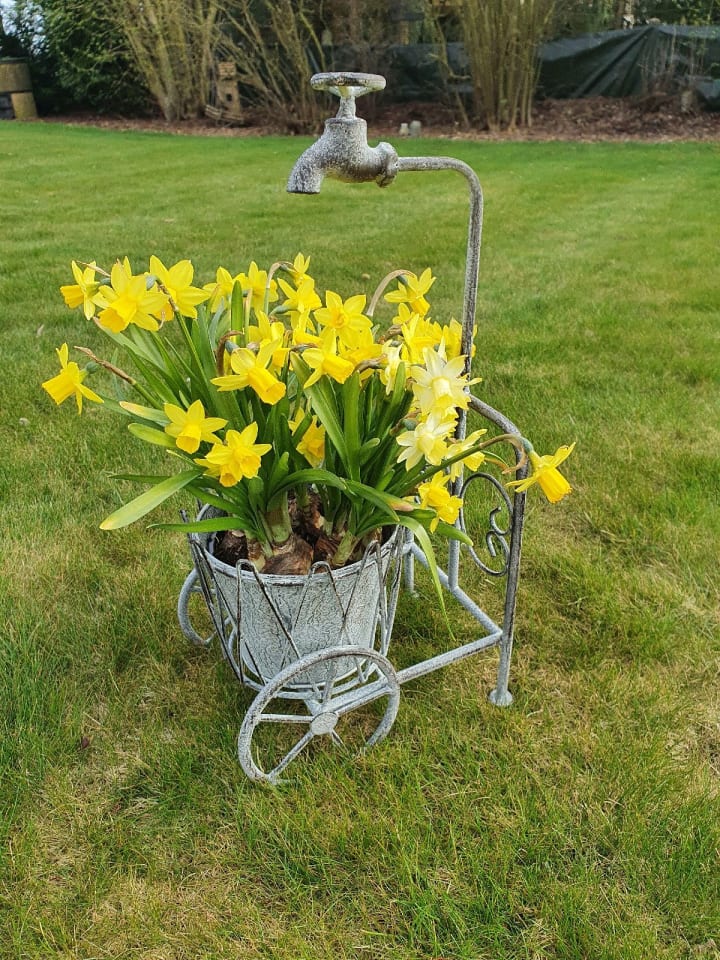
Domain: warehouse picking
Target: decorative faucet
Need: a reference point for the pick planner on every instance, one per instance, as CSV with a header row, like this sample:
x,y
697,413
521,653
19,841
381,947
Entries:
x,y
342,152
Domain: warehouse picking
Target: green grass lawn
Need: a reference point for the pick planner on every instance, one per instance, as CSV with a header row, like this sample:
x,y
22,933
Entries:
x,y
582,822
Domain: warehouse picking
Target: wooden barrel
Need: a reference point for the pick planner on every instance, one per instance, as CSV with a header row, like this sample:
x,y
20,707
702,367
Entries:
x,y
15,82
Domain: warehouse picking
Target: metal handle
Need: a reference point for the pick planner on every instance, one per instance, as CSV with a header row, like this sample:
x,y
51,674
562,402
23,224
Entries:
x,y
347,86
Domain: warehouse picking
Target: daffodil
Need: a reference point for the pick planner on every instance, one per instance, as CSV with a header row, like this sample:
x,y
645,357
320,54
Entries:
x,y
69,382
411,290
266,330
312,442
452,339
428,441
435,494
441,384
127,300
191,427
545,473
256,282
177,282
391,363
221,291
325,360
239,457
250,369
84,292
473,461
417,333
299,302
300,268
363,349
344,317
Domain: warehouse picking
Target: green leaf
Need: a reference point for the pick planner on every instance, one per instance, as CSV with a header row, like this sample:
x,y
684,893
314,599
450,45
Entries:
x,y
151,435
384,501
323,402
202,526
351,406
145,413
368,450
237,311
421,535
451,532
205,496
147,501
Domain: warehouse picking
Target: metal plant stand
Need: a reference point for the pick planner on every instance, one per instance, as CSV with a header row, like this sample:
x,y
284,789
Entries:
x,y
317,689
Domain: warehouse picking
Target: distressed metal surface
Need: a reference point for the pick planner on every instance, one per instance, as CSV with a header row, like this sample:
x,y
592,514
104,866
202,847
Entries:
x,y
342,152
267,622
318,715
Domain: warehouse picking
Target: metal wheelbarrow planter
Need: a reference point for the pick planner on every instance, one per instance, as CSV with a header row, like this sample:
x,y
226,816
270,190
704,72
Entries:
x,y
318,645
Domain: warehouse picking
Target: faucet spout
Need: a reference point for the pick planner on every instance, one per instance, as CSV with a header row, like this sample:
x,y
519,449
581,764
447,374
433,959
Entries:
x,y
342,152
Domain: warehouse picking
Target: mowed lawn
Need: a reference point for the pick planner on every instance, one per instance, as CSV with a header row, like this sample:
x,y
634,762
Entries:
x,y
583,821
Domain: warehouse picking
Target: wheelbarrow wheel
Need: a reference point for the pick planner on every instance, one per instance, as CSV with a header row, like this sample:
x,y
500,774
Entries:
x,y
194,588
338,682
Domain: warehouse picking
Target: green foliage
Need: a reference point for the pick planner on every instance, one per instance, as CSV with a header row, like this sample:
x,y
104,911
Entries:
x,y
78,57
690,12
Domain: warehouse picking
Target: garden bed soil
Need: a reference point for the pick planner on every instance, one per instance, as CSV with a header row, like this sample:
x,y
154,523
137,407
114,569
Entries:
x,y
652,118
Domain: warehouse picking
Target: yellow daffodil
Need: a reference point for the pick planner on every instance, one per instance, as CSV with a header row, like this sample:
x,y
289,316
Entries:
x,y
418,334
239,457
452,339
391,362
545,473
300,268
324,359
265,330
345,318
473,462
69,382
256,280
428,441
177,281
435,494
312,443
299,302
440,384
127,300
191,427
362,350
84,292
412,290
250,369
220,291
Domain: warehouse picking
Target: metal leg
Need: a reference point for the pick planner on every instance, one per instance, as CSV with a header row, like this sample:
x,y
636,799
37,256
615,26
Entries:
x,y
408,563
501,696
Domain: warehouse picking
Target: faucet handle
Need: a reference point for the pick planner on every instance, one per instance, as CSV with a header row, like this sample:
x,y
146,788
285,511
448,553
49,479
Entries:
x,y
347,86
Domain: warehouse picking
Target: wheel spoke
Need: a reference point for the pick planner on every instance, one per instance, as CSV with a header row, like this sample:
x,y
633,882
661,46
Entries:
x,y
285,718
369,677
299,746
327,692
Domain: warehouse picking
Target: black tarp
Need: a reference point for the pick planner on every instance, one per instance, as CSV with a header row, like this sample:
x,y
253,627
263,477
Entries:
x,y
616,63
621,63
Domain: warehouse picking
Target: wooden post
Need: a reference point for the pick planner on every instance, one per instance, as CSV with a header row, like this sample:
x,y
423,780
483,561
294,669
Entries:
x,y
15,81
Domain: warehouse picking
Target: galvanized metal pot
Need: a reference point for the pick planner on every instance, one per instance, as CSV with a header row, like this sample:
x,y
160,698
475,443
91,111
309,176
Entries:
x,y
271,621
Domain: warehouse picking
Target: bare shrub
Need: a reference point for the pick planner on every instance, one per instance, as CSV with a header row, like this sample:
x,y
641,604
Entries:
x,y
173,46
501,37
276,50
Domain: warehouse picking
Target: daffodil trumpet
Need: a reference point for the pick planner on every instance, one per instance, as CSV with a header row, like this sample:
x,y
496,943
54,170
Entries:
x,y
304,422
